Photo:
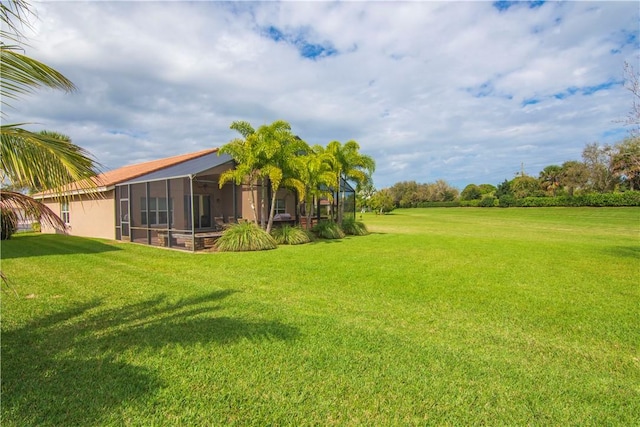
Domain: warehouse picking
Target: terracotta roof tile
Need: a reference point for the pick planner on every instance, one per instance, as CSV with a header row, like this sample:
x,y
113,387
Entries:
x,y
125,173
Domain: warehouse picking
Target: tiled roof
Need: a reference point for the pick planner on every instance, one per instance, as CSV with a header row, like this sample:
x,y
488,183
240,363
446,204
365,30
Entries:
x,y
125,173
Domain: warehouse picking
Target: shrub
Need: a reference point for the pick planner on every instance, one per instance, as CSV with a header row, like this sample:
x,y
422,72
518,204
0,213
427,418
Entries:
x,y
9,221
327,230
628,198
245,237
448,204
289,235
355,228
487,202
506,201
469,203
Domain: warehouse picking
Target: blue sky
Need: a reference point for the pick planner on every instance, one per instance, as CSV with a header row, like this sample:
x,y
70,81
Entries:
x,y
461,91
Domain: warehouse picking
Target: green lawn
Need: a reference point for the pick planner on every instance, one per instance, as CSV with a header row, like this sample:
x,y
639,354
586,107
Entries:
x,y
440,317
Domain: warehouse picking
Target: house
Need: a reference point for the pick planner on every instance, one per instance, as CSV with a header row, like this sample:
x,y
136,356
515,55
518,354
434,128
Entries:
x,y
173,202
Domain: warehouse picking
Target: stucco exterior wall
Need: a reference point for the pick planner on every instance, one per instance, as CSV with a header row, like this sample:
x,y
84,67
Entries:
x,y
88,217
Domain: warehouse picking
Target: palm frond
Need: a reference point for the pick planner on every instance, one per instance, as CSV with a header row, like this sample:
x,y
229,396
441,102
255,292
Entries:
x,y
22,75
45,161
15,15
29,208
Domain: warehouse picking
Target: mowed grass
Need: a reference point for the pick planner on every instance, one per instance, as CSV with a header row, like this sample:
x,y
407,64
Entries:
x,y
439,317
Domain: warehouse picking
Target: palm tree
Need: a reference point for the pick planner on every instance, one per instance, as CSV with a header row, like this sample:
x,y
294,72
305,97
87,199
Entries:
x,y
314,171
45,160
550,178
277,149
348,165
244,153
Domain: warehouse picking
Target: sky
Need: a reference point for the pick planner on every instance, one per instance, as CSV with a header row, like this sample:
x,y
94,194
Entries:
x,y
467,92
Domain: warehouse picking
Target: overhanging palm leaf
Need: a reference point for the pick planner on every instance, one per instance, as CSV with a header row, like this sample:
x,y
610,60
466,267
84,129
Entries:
x,y
44,161
22,75
29,208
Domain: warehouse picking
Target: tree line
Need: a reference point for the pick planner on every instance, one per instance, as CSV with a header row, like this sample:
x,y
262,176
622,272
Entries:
x,y
604,169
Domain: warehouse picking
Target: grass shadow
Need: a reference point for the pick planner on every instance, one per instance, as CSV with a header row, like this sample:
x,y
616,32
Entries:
x,y
624,251
35,245
68,366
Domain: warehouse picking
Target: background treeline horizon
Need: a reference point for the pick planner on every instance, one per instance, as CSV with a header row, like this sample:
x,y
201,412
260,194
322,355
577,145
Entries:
x,y
607,175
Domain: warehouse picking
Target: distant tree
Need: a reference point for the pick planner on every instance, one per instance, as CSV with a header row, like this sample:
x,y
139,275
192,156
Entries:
x,y
382,201
625,161
597,160
525,186
505,194
574,176
632,84
441,191
364,194
487,189
550,178
471,192
403,190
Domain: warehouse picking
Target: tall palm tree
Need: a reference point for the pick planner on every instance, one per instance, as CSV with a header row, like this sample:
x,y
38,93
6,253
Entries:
x,y
348,164
45,160
247,163
313,169
277,149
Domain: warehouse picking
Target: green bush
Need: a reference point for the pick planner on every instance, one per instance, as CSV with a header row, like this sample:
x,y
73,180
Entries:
x,y
448,204
245,237
506,201
487,202
327,230
354,228
628,198
289,235
469,203
9,221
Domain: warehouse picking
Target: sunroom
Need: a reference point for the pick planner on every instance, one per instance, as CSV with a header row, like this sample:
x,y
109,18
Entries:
x,y
183,206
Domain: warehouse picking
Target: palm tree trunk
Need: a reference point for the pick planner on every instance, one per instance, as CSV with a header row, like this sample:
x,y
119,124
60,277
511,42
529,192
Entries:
x,y
271,212
253,202
263,197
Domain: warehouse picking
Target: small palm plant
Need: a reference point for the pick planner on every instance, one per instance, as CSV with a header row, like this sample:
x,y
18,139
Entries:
x,y
288,235
245,237
355,228
327,230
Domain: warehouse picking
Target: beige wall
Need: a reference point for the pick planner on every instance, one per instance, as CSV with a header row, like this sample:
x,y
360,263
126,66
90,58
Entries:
x,y
245,202
87,217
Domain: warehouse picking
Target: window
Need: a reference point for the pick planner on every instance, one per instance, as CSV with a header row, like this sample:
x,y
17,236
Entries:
x,y
280,207
158,213
64,212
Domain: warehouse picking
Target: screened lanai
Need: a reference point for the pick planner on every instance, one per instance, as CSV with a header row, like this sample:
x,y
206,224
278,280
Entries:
x,y
180,206
183,206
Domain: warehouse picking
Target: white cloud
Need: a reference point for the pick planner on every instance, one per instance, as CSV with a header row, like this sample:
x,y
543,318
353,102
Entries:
x,y
450,90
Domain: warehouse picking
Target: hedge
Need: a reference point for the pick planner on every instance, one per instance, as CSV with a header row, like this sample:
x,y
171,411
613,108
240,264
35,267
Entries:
x,y
628,198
